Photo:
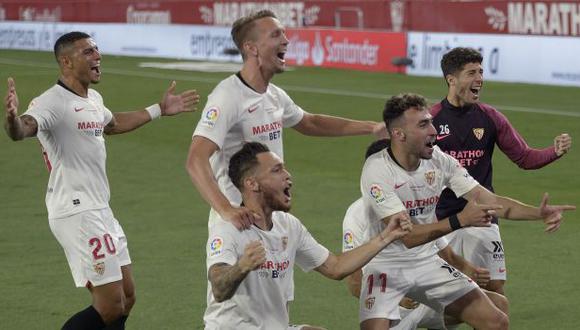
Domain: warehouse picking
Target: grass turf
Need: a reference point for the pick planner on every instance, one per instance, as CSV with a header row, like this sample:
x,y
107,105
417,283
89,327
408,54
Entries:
x,y
165,218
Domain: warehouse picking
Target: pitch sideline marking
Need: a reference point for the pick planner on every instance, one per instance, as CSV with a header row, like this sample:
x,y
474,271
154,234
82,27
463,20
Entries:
x,y
314,90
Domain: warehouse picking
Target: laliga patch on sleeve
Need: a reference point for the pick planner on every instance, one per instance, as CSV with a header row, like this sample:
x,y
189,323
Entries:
x,y
348,240
216,246
377,193
210,116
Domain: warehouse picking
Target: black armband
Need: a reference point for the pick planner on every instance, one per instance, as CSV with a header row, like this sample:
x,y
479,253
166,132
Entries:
x,y
454,222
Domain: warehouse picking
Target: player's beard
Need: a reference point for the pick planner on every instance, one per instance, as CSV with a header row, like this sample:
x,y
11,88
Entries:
x,y
273,201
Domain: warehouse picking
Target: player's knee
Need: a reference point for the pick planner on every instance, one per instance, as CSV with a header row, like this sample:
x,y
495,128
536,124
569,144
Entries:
x,y
501,302
111,310
496,286
130,300
502,322
498,321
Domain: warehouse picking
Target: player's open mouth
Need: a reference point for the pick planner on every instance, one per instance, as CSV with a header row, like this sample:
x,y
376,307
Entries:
x,y
431,143
280,56
96,69
475,91
287,192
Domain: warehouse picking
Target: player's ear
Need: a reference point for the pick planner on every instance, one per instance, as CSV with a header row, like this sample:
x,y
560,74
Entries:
x,y
251,184
398,134
250,48
451,79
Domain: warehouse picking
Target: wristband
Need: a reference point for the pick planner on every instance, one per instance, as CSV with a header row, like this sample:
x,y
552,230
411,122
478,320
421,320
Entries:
x,y
154,111
454,222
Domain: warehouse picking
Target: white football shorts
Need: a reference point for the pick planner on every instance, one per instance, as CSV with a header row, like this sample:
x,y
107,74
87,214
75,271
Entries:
x,y
94,244
483,247
431,282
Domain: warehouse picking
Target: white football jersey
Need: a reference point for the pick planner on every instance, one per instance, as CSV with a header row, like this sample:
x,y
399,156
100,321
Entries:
x,y
355,228
387,189
260,302
70,129
235,114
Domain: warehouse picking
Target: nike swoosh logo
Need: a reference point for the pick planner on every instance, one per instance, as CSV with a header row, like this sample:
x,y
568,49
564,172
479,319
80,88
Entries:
x,y
79,109
397,186
502,270
441,137
250,110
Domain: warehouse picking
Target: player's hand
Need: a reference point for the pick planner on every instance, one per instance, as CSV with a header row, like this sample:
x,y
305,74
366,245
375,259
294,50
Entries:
x,y
172,104
408,303
562,143
476,214
241,217
480,275
11,101
380,131
254,256
399,226
552,214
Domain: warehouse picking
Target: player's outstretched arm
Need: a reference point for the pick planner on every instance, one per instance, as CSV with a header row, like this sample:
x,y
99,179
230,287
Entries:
x,y
201,175
515,210
338,267
475,214
17,127
324,125
225,279
170,105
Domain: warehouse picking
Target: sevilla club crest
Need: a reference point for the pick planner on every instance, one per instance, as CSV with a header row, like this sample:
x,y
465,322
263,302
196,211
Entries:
x,y
430,177
370,302
99,268
478,132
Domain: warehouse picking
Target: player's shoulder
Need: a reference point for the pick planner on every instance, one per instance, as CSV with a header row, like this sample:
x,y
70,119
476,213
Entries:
x,y
496,116
487,109
224,228
438,155
94,94
285,219
356,206
439,158
277,92
228,86
354,213
50,98
379,163
435,109
54,92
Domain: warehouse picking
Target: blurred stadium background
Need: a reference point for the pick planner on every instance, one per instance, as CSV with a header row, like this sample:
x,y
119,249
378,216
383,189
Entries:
x,y
342,63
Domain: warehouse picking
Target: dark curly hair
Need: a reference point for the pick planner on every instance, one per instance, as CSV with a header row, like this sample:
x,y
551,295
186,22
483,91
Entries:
x,y
455,60
244,161
397,105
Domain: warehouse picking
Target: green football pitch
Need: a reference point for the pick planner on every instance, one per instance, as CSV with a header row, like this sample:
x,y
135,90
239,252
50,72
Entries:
x,y
166,220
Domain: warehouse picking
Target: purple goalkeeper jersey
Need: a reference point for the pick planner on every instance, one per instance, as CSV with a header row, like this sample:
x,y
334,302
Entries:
x,y
469,134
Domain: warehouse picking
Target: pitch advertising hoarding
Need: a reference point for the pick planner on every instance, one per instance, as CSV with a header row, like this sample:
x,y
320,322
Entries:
x,y
511,58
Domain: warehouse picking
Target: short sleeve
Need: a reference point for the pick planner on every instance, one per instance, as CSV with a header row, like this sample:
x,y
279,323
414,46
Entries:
x,y
441,243
309,253
293,114
378,191
108,115
221,244
46,113
456,176
353,228
218,117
